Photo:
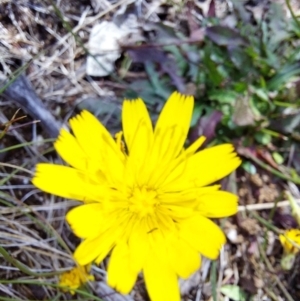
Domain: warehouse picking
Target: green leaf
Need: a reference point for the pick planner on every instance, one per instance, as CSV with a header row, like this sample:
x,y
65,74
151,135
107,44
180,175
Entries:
x,y
233,292
99,107
157,84
249,167
284,76
181,62
212,70
240,59
223,96
262,94
288,261
198,110
263,138
224,36
144,89
277,158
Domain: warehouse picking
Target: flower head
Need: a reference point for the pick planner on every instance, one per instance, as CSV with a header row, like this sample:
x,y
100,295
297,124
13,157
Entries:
x,y
75,278
290,241
147,204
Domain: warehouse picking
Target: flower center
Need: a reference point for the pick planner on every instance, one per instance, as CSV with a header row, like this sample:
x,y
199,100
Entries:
x,y
143,201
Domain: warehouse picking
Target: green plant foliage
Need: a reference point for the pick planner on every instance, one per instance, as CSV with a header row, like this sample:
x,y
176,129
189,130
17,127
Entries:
x,y
234,292
249,72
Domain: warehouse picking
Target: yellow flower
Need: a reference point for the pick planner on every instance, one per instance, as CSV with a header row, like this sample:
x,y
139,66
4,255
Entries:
x,y
75,278
149,207
290,241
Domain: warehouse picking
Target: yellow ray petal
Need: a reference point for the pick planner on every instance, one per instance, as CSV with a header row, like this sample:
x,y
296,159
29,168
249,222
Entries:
x,y
139,246
68,182
203,235
161,281
92,136
118,226
174,123
217,204
90,249
156,237
120,275
175,169
182,197
183,205
138,134
69,149
214,164
170,133
86,221
194,146
137,125
178,212
204,168
165,170
99,146
183,259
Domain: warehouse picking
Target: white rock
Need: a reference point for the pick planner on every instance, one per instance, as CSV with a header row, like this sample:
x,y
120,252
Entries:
x,y
104,46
